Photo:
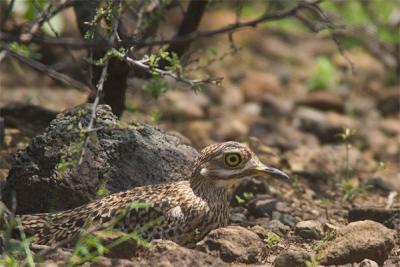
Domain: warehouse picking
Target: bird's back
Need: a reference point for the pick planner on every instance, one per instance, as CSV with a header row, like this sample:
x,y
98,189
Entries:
x,y
179,211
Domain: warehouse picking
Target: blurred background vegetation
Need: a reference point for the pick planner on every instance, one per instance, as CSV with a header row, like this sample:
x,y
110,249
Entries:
x,y
369,25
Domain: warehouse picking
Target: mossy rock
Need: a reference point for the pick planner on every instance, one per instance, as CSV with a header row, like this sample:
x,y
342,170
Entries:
x,y
51,174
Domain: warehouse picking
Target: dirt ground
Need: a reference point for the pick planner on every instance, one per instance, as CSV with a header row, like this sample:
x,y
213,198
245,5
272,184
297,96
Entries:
x,y
340,145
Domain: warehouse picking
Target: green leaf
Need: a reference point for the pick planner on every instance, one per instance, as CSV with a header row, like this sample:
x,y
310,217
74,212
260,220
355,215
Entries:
x,y
156,87
239,200
324,75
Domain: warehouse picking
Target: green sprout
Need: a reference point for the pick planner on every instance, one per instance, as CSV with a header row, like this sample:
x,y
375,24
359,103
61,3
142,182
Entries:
x,y
196,233
313,262
272,239
246,197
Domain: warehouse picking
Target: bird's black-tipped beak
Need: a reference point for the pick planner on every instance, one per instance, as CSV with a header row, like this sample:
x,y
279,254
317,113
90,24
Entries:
x,y
263,170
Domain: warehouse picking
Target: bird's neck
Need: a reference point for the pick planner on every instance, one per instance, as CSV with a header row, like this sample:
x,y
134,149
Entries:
x,y
209,190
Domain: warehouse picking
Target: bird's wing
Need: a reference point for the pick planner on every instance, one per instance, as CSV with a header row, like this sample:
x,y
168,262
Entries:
x,y
124,211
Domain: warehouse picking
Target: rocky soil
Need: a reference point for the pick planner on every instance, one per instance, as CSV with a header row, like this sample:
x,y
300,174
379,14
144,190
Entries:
x,y
341,207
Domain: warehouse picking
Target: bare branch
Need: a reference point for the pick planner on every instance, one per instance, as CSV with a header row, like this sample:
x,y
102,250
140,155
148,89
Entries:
x,y
101,81
143,63
78,44
44,17
48,70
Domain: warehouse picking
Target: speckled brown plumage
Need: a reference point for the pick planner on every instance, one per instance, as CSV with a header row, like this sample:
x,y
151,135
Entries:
x,y
187,209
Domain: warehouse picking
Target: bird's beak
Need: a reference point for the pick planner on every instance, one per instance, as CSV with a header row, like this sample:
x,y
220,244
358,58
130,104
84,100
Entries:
x,y
263,170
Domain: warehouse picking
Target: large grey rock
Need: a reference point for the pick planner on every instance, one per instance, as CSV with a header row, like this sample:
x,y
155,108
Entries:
x,y
356,242
234,244
47,175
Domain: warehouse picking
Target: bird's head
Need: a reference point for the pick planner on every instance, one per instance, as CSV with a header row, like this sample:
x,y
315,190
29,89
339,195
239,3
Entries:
x,y
227,163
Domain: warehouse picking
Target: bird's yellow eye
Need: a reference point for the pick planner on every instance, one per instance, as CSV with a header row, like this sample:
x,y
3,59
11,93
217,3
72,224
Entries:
x,y
232,159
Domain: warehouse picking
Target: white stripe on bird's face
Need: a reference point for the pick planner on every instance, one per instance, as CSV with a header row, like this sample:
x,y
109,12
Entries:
x,y
226,172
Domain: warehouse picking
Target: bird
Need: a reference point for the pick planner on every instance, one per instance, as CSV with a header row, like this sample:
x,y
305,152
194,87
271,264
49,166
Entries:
x,y
185,210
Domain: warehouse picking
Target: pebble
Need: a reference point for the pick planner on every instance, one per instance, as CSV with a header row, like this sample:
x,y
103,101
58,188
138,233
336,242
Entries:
x,y
310,229
292,258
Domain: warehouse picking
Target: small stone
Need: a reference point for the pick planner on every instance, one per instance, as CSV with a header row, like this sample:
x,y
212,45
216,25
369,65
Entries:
x,y
259,230
327,126
233,244
238,215
292,258
235,98
262,205
323,101
250,109
356,242
383,183
390,126
309,229
237,218
389,103
368,263
237,128
373,138
178,105
317,164
388,217
273,106
198,131
275,226
281,135
285,218
258,84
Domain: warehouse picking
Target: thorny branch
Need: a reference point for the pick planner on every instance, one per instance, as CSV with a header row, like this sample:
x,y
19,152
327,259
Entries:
x,y
45,16
328,24
48,14
65,79
143,63
78,44
182,39
185,35
100,84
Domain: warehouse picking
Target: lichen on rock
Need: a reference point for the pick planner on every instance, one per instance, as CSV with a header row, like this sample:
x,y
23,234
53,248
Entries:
x,y
53,174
